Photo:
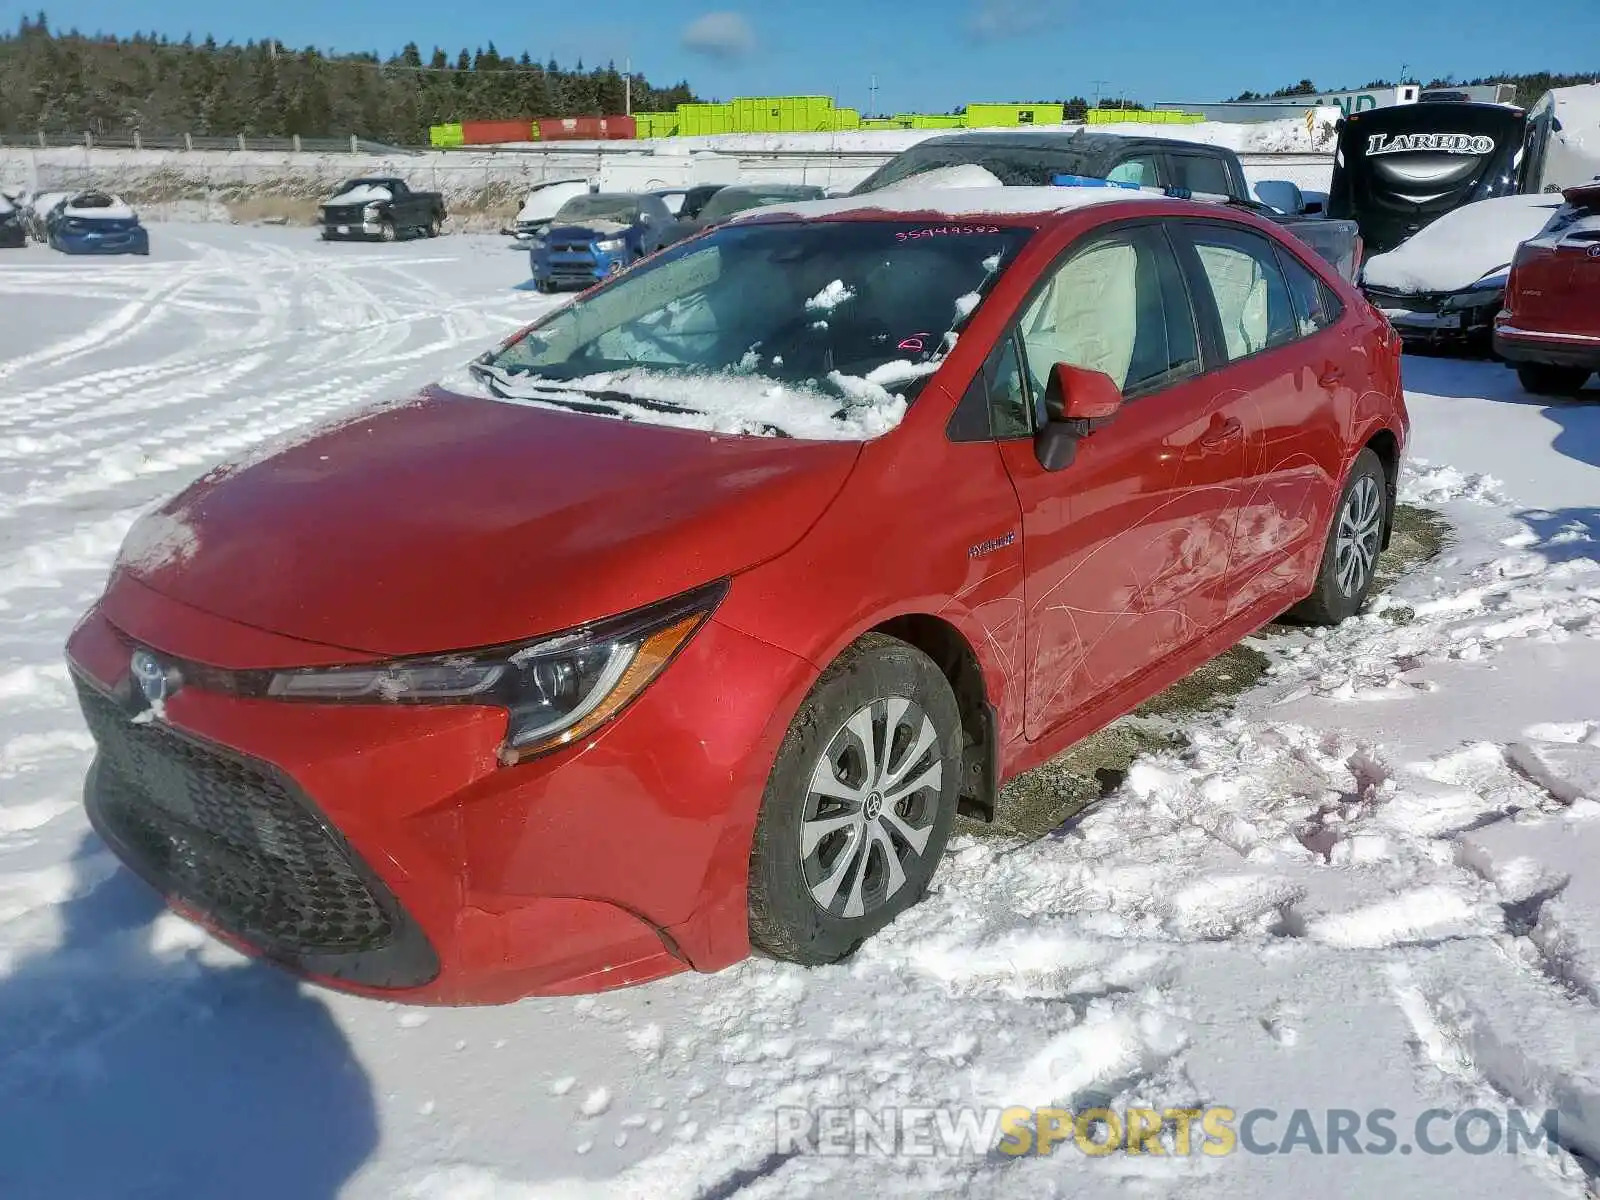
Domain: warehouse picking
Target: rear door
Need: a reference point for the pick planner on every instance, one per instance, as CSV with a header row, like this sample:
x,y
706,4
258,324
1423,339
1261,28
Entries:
x,y
1280,369
1124,549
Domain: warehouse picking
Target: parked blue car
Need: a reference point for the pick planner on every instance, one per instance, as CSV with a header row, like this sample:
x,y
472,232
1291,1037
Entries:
x,y
96,223
597,235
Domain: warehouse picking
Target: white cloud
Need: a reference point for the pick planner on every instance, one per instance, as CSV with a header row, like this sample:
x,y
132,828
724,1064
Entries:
x,y
994,20
723,35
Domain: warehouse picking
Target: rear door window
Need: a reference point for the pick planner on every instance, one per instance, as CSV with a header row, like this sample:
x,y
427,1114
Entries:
x,y
1315,306
1201,173
1139,169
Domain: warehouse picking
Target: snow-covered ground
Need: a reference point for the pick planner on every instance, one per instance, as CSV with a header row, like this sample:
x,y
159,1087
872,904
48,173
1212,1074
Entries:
x,y
1370,886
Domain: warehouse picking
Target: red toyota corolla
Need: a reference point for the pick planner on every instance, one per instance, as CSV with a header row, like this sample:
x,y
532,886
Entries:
x,y
685,621
1549,328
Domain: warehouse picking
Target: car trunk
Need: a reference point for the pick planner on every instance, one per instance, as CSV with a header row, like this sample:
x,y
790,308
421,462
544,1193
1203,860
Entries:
x,y
1555,287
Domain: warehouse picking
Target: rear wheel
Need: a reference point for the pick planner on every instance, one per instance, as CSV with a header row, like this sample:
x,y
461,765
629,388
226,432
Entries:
x,y
435,227
1543,379
859,804
1350,557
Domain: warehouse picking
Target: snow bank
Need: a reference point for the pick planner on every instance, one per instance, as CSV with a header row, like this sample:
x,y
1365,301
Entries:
x,y
365,194
1463,246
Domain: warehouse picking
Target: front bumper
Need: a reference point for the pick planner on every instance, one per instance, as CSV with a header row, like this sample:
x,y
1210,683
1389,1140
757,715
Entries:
x,y
575,267
357,232
13,234
383,850
132,241
1517,345
1438,318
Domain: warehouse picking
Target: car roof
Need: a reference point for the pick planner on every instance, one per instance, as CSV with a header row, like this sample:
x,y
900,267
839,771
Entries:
x,y
1007,205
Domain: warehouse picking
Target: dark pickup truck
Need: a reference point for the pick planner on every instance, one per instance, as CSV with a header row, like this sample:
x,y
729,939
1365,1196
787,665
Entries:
x,y
1040,159
383,208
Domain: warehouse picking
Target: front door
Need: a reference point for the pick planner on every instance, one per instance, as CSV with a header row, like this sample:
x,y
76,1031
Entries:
x,y
1123,550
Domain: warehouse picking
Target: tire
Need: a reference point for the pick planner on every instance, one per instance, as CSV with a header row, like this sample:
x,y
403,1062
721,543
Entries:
x,y
1355,538
817,908
1542,379
435,227
387,232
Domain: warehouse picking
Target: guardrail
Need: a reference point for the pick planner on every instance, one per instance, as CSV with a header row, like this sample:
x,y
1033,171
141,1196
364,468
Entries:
x,y
354,144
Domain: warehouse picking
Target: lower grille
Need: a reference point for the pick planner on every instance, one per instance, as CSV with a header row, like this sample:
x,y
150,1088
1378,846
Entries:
x,y
236,840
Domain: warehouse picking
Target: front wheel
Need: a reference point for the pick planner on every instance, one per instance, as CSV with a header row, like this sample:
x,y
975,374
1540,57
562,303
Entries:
x,y
1350,557
859,804
387,232
1543,379
435,227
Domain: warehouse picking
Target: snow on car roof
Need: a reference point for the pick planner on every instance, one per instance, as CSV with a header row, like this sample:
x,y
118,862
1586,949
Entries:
x,y
956,202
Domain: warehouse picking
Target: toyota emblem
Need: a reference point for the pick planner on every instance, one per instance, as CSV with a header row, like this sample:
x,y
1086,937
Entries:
x,y
1594,251
150,675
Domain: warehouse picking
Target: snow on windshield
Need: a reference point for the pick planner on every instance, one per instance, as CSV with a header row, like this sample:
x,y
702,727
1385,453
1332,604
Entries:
x,y
724,402
830,297
821,330
589,209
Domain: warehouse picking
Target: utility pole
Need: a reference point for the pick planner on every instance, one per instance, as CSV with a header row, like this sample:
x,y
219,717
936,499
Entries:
x,y
872,98
1098,84
627,86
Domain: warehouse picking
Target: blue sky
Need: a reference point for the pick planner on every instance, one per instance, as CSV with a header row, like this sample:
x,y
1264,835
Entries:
x,y
928,56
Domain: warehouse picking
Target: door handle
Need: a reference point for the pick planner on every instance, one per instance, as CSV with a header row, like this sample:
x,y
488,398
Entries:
x,y
1331,375
1222,434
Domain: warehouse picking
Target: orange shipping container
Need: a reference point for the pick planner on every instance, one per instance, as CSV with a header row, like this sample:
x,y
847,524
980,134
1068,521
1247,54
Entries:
x,y
490,133
588,129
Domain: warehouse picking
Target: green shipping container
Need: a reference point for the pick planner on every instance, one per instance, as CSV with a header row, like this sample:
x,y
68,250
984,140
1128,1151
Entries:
x,y
846,118
936,121
704,120
782,114
982,116
657,125
446,136
1123,116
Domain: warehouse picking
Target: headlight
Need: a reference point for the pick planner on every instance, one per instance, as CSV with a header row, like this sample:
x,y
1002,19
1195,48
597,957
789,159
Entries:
x,y
610,245
556,690
535,242
370,211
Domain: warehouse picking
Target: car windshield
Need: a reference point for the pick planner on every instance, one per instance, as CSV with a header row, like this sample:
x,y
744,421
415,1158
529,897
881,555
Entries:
x,y
815,330
351,185
1014,166
598,207
736,200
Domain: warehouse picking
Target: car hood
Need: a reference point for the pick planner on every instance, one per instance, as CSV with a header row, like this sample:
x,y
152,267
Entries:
x,y
450,522
591,231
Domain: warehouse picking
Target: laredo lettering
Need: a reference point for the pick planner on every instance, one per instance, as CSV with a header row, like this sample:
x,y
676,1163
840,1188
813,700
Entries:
x,y
1443,143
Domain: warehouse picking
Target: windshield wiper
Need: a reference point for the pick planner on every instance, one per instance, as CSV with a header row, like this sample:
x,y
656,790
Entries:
x,y
602,402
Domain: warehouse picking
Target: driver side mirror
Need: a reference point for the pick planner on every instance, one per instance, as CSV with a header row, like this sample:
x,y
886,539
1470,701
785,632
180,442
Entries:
x,y
1077,401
